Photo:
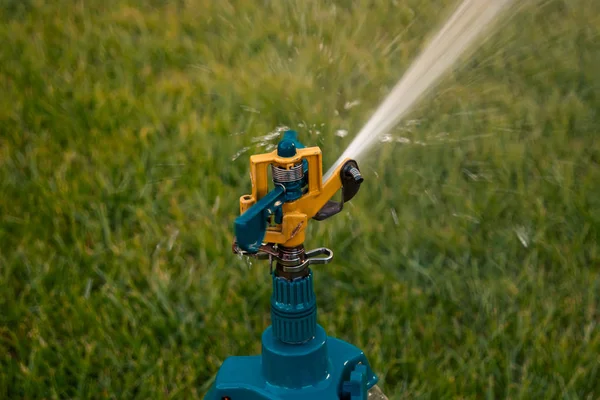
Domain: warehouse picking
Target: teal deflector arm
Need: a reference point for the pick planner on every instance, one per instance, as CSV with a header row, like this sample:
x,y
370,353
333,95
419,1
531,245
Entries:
x,y
251,226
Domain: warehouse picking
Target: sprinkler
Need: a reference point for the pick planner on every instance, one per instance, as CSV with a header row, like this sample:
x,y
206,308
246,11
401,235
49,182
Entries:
x,y
298,359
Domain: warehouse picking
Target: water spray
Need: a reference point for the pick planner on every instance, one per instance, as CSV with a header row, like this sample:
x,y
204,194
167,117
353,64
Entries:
x,y
471,19
299,360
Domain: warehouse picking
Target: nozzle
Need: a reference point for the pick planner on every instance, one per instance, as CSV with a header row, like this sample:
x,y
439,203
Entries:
x,y
351,179
352,171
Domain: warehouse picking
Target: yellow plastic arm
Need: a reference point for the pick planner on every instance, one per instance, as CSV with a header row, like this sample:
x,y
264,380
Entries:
x,y
312,202
291,232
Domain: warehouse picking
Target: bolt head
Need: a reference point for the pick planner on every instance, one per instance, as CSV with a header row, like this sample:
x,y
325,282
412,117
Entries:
x,y
286,148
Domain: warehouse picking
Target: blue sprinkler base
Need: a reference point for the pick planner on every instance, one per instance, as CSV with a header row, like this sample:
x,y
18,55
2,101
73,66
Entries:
x,y
325,368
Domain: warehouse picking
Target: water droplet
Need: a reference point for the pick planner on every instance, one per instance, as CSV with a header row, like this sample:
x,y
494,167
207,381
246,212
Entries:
x,y
350,104
523,235
88,288
215,206
394,216
271,135
239,153
172,239
387,138
250,109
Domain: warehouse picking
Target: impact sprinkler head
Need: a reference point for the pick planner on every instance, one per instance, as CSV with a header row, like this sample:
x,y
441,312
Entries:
x,y
272,223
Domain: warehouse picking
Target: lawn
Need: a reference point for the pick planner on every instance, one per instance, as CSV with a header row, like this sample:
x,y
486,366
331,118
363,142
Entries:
x,y
467,267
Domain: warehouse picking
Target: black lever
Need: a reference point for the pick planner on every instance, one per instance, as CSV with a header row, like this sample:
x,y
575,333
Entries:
x,y
351,179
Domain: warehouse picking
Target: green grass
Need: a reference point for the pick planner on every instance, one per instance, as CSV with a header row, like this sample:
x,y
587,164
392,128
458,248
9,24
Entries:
x,y
118,123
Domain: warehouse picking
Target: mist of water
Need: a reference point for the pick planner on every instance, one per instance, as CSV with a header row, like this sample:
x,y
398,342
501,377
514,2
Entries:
x,y
463,29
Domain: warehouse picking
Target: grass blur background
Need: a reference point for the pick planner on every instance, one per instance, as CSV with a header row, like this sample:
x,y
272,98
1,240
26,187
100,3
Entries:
x,y
467,267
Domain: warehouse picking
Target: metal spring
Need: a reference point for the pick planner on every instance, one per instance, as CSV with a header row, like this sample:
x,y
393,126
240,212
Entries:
x,y
281,175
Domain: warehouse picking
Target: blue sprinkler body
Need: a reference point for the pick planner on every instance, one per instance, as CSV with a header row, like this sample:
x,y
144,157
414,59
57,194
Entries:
x,y
298,359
